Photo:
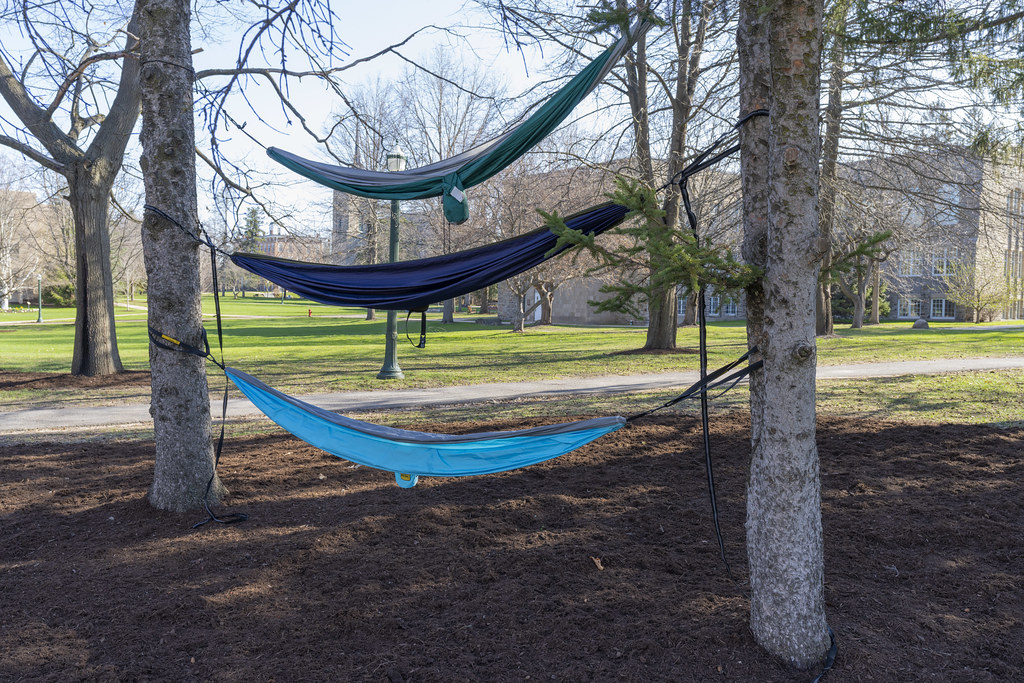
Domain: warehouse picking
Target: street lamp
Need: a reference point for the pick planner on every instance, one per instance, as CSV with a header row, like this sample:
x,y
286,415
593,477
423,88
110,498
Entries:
x,y
39,293
390,369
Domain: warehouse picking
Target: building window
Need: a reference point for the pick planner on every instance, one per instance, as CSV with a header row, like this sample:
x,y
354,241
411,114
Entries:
x,y
943,309
1014,219
908,308
714,305
948,205
910,262
943,261
729,307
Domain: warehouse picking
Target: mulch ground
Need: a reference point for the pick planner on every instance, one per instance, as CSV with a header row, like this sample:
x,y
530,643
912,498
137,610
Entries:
x,y
599,566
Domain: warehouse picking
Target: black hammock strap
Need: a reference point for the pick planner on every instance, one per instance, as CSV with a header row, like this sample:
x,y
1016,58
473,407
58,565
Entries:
x,y
423,328
712,380
166,341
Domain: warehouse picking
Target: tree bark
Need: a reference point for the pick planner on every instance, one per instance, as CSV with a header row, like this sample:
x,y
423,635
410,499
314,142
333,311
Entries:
x,y
662,320
180,398
858,314
823,308
784,535
829,182
876,292
484,302
547,300
448,311
755,87
95,348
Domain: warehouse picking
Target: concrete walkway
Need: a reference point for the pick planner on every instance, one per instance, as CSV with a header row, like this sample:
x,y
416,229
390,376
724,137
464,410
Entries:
x,y
56,418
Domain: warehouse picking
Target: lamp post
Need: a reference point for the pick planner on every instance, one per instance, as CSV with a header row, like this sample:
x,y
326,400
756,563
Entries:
x,y
390,369
39,293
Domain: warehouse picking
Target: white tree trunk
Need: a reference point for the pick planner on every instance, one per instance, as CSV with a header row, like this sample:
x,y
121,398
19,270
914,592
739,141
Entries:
x,y
180,404
784,536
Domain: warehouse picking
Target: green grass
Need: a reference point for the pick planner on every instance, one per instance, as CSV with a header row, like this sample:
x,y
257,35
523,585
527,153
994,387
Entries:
x,y
336,350
992,397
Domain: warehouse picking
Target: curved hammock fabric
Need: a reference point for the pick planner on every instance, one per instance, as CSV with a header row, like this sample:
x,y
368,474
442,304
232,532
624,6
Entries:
x,y
414,285
450,177
410,454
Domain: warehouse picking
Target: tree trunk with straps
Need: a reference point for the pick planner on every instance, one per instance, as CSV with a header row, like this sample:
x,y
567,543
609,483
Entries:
x,y
180,398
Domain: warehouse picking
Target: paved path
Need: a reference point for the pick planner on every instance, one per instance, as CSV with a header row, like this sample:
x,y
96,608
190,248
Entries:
x,y
55,418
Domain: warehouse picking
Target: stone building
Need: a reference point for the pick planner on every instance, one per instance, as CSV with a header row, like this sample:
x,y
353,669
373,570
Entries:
x,y
963,251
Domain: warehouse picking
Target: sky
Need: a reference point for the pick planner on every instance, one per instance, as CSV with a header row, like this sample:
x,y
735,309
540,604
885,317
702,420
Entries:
x,y
367,27
366,30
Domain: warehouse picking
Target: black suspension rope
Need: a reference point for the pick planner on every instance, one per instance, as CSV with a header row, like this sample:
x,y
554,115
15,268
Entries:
x,y
165,341
830,658
712,380
423,329
704,160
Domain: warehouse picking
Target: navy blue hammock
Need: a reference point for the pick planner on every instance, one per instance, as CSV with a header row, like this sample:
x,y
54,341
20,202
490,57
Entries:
x,y
414,285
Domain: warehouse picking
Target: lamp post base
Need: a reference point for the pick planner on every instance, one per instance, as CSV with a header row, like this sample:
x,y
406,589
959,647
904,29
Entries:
x,y
391,373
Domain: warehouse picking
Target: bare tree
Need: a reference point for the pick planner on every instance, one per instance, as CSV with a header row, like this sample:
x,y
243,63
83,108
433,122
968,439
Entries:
x,y
983,292
538,181
15,205
73,73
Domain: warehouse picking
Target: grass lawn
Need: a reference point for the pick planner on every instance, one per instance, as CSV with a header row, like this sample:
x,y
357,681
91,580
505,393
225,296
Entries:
x,y
336,350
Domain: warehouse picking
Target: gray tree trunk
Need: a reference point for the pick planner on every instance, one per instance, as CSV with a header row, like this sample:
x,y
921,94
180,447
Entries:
x,y
858,314
662,320
180,397
784,536
484,302
829,182
547,300
95,349
448,311
876,292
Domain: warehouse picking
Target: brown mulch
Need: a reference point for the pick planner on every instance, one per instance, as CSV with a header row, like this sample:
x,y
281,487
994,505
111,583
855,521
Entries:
x,y
53,380
598,566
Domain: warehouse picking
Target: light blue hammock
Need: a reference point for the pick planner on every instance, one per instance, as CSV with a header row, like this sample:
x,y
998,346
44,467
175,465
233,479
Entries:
x,y
410,454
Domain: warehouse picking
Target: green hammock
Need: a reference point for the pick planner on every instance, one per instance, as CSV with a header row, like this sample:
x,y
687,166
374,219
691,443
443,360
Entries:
x,y
449,178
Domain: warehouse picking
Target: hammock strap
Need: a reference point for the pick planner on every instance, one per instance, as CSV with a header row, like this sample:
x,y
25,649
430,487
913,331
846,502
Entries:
x,y
423,328
704,160
712,381
170,343
232,517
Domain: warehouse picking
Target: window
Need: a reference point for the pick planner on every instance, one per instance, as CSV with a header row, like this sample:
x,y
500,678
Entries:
x,y
714,305
1014,219
943,309
730,307
943,261
910,262
948,204
908,308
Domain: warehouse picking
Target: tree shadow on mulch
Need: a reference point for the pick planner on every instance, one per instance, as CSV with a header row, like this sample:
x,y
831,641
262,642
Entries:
x,y
601,565
10,381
